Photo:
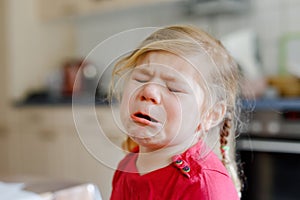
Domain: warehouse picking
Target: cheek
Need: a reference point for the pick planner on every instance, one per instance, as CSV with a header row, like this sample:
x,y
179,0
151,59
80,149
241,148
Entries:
x,y
188,114
197,103
125,102
175,115
128,100
173,107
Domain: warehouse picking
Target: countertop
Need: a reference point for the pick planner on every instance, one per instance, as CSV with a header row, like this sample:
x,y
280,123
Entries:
x,y
282,104
257,104
48,188
45,100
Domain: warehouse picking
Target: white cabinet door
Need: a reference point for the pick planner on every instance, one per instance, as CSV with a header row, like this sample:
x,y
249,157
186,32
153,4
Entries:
x,y
4,149
40,143
46,143
86,165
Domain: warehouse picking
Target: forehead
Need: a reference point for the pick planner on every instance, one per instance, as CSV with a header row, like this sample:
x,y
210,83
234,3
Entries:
x,y
192,66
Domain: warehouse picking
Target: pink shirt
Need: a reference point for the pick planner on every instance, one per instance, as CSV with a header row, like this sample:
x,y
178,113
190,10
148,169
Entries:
x,y
187,178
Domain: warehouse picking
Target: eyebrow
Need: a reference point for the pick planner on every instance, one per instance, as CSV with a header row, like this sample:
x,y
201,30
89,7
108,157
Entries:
x,y
145,71
166,77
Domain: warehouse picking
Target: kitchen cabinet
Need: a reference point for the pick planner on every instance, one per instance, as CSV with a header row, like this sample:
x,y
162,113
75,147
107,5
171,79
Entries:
x,y
9,143
4,147
57,9
44,142
5,136
40,142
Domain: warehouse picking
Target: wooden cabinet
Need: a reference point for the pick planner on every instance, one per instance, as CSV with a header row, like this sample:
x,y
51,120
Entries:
x,y
57,9
9,144
44,142
40,143
4,148
5,137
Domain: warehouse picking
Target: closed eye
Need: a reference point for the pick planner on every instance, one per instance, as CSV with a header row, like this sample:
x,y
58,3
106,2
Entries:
x,y
140,77
141,80
175,87
173,90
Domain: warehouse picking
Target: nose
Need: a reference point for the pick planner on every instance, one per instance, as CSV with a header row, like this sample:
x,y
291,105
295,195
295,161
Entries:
x,y
151,93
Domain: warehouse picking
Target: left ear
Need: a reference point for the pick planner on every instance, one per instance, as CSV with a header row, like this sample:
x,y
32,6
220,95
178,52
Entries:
x,y
215,115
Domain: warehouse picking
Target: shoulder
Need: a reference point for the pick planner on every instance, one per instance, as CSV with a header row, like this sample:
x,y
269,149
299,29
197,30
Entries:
x,y
128,163
205,176
214,179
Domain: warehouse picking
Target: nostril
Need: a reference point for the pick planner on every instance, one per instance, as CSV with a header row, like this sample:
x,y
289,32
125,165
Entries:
x,y
150,94
143,98
153,100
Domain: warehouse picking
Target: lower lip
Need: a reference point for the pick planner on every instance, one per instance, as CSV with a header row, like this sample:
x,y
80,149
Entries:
x,y
141,120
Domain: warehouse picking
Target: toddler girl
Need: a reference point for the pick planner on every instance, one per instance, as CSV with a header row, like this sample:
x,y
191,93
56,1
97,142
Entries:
x,y
178,101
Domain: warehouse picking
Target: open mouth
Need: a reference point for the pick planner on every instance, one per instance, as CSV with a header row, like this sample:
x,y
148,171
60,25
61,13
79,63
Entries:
x,y
142,117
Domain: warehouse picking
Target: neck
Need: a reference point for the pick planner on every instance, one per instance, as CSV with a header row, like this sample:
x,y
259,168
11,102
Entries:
x,y
148,161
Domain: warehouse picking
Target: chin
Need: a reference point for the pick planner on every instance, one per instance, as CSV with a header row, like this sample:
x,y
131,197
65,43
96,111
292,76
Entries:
x,y
149,142
138,133
155,143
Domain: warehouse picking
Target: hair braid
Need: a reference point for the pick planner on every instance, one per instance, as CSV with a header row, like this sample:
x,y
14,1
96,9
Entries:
x,y
224,133
224,147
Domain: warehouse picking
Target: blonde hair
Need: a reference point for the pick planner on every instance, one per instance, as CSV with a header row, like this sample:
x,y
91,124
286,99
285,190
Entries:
x,y
222,80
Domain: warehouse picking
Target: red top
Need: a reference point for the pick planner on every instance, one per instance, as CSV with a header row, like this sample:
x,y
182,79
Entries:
x,y
187,178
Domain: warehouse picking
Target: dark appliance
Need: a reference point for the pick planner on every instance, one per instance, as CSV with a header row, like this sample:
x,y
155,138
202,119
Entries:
x,y
270,152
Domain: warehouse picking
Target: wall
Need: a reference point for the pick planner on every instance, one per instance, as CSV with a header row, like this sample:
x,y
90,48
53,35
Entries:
x,y
3,71
92,30
269,18
34,47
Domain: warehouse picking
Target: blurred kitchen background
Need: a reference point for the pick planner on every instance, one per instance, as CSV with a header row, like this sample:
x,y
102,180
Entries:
x,y
43,44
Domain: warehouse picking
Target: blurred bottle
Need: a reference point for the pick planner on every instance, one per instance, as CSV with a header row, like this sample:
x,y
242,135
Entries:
x,y
70,75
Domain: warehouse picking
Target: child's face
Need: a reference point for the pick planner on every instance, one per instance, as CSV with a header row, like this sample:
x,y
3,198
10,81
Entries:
x,y
161,101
